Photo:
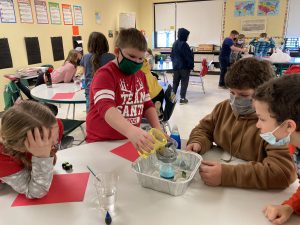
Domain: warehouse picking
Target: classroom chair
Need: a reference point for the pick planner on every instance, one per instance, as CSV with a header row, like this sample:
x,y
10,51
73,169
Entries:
x,y
69,126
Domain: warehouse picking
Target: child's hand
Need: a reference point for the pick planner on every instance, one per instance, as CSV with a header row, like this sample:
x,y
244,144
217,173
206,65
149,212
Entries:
x,y
38,144
195,147
278,214
211,173
141,140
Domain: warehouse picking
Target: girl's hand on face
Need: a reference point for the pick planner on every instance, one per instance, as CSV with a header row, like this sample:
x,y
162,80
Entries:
x,y
39,144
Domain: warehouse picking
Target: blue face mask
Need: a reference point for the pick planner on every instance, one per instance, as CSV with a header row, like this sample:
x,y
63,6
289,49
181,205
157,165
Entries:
x,y
271,139
261,39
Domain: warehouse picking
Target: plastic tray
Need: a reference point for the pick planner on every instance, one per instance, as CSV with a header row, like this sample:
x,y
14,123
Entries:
x,y
188,160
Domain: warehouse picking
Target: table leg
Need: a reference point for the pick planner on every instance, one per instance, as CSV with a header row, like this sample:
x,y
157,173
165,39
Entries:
x,y
68,111
74,112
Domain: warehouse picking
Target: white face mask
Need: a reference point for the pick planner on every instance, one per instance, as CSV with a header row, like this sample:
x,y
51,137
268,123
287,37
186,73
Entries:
x,y
271,139
240,42
261,39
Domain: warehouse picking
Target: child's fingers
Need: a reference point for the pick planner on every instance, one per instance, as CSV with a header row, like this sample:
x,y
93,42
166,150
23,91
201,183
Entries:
x,y
45,133
26,143
208,163
30,138
37,135
279,220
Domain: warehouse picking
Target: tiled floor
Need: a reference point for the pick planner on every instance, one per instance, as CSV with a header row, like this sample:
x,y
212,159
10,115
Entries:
x,y
184,116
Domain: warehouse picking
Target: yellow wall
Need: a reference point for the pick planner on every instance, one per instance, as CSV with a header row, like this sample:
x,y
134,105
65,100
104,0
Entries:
x,y
275,24
15,33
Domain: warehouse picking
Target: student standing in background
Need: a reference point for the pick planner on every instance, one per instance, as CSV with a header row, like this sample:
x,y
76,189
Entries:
x,y
224,58
98,56
183,62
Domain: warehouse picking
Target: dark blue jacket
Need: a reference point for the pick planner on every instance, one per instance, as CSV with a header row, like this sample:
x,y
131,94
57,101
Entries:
x,y
181,55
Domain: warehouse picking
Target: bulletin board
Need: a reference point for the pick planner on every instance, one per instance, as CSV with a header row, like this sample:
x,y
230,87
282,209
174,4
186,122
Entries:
x,y
5,56
33,50
57,48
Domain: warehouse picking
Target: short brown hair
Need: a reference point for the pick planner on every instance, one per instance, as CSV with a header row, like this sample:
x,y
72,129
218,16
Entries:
x,y
131,38
263,35
234,32
283,98
249,73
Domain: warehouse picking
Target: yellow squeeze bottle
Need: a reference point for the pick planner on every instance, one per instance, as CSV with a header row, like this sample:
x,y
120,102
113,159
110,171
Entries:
x,y
160,141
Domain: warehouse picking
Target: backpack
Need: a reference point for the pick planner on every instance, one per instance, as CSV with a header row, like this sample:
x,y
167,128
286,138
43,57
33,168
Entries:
x,y
11,94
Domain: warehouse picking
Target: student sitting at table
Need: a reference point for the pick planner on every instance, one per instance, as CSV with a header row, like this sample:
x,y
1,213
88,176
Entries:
x,y
155,90
232,126
277,105
28,142
119,95
262,45
98,56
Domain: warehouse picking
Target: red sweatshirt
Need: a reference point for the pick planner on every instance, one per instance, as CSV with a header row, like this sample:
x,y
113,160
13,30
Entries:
x,y
112,88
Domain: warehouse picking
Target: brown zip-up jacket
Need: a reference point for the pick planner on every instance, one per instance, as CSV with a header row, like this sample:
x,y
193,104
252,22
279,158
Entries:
x,y
269,166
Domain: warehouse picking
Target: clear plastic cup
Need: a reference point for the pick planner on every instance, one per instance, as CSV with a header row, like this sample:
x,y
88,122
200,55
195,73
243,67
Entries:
x,y
106,188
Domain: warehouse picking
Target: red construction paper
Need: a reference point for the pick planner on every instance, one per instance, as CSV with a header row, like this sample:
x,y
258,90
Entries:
x,y
60,96
64,188
127,151
75,30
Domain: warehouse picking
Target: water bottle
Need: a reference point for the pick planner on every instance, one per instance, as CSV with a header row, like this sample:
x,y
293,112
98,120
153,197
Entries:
x,y
175,135
48,79
161,61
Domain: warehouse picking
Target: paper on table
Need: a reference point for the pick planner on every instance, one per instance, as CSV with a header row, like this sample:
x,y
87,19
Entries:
x,y
127,151
68,95
64,188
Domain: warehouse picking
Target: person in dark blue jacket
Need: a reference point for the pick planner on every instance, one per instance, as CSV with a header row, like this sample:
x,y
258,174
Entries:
x,y
183,62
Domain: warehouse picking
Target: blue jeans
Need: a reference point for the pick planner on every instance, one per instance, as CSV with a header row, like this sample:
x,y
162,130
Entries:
x,y
87,97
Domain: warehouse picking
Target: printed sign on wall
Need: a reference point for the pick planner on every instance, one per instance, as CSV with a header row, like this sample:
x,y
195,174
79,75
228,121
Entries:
x,y
25,11
41,11
67,14
54,12
78,15
7,11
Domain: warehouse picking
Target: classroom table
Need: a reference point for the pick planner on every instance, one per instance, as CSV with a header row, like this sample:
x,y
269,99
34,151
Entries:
x,y
44,94
280,66
136,205
163,69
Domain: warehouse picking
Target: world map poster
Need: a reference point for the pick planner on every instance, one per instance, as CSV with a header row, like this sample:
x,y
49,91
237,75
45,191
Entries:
x,y
245,8
268,7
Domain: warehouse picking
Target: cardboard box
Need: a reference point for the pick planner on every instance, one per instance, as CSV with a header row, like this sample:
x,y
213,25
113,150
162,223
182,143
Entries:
x,y
205,48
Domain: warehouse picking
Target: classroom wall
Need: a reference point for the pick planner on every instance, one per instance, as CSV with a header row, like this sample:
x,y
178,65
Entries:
x,y
275,24
15,33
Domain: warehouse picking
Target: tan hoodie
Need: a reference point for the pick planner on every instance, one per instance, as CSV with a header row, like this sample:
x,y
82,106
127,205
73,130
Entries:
x,y
269,166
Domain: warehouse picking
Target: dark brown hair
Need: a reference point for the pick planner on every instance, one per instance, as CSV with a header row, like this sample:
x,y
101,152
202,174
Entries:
x,y
282,96
234,32
263,35
19,119
97,45
131,38
249,73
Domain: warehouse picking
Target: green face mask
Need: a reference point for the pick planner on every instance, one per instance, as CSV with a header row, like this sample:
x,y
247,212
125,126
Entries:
x,y
128,66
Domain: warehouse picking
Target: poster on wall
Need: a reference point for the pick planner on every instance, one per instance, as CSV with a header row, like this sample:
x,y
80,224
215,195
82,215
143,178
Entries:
x,y
245,8
67,14
54,12
268,7
7,11
253,26
127,20
78,15
25,11
41,12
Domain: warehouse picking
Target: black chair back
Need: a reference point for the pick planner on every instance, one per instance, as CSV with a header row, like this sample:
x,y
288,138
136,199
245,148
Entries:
x,y
170,102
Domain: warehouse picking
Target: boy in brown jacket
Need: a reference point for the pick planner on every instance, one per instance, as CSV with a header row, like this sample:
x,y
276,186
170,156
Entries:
x,y
232,126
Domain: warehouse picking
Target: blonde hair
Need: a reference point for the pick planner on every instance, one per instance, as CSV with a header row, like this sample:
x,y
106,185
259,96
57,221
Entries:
x,y
72,57
19,119
131,38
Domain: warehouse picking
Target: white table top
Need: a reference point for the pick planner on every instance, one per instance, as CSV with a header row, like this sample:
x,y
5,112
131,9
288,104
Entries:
x,y
136,205
42,93
166,66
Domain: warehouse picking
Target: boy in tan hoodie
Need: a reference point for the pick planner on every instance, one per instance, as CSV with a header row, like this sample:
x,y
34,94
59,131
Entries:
x,y
232,126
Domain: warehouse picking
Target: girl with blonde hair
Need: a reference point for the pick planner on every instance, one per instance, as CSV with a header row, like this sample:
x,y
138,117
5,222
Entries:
x,y
29,139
